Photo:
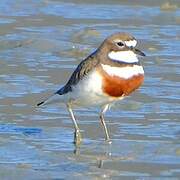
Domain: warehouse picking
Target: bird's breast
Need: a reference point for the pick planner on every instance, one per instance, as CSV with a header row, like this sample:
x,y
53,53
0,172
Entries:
x,y
121,81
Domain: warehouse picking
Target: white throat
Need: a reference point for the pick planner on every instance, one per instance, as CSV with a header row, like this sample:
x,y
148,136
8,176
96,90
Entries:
x,y
123,56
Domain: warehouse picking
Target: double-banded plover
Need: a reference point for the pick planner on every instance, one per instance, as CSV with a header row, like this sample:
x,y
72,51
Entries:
x,y
109,74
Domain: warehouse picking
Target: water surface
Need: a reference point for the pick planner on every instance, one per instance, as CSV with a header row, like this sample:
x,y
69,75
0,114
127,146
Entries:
x,y
41,42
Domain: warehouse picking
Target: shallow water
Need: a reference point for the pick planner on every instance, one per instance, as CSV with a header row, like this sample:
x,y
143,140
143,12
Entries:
x,y
41,42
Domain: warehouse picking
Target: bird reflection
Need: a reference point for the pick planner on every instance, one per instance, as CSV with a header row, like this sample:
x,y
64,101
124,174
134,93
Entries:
x,y
105,155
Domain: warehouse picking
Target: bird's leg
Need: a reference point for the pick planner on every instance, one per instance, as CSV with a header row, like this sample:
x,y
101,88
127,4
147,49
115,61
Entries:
x,y
77,134
104,109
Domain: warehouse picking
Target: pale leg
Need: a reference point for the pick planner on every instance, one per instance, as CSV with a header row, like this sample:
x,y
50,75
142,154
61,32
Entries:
x,y
77,134
104,109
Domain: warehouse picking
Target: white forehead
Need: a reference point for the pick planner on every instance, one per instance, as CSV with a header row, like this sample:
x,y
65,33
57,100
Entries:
x,y
130,43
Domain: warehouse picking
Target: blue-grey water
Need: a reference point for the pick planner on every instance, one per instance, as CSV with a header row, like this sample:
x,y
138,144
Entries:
x,y
41,42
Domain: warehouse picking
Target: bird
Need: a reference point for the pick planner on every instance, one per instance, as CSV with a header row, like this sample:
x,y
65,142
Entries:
x,y
111,73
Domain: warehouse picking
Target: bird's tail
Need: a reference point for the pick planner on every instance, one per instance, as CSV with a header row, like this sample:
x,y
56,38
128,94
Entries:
x,y
54,98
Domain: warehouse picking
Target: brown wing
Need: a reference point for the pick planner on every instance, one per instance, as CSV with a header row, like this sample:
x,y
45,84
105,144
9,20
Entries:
x,y
82,70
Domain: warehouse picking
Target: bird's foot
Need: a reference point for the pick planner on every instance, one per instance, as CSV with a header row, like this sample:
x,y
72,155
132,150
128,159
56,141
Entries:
x,y
77,137
108,140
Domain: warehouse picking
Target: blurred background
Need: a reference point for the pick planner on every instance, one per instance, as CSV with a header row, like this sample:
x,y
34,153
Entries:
x,y
41,42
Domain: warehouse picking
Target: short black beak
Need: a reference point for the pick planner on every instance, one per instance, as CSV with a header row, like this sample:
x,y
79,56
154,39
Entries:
x,y
137,51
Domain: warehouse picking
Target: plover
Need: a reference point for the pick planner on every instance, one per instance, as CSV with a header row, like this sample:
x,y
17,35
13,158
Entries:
x,y
109,74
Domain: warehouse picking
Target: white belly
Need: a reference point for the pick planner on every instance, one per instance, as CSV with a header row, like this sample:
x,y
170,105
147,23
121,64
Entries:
x,y
88,92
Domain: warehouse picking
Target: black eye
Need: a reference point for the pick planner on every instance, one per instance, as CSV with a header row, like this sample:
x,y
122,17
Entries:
x,y
121,44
